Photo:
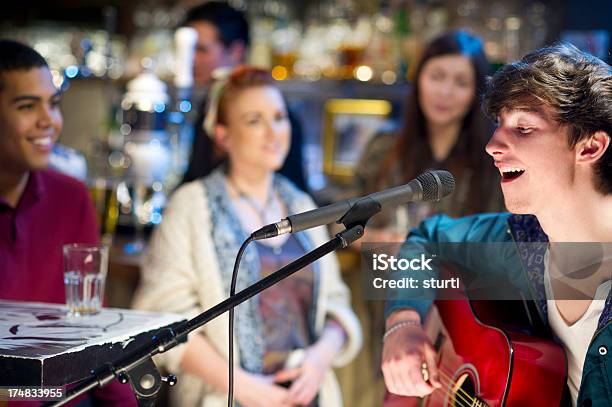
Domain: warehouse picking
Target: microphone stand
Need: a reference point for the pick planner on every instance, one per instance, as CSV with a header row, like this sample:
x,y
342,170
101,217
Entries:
x,y
137,366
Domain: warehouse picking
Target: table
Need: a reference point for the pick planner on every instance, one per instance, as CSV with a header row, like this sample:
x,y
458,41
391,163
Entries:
x,y
40,345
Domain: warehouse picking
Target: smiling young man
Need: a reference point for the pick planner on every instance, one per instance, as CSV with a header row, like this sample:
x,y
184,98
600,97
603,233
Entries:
x,y
552,147
40,209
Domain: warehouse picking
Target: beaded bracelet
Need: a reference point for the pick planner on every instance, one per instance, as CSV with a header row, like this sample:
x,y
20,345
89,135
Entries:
x,y
399,325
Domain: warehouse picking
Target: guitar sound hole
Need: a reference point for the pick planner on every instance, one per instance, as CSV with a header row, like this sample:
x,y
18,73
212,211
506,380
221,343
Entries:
x,y
464,393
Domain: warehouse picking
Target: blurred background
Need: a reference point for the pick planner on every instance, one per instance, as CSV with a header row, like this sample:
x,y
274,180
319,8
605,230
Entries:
x,y
317,50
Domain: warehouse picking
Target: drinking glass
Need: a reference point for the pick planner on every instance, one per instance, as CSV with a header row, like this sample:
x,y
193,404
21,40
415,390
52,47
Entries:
x,y
85,269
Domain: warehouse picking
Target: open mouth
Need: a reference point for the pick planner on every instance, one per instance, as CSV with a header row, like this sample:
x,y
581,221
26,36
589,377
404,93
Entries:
x,y
41,145
509,174
42,141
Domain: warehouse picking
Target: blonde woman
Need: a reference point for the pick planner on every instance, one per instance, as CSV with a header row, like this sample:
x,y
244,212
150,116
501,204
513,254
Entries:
x,y
287,338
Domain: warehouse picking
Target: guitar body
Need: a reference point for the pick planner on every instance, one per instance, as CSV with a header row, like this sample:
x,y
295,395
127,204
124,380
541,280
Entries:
x,y
489,364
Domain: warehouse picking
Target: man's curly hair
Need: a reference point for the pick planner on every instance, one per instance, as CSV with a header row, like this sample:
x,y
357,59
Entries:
x,y
575,85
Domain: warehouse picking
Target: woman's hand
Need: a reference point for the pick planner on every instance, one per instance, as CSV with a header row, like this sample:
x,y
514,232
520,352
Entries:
x,y
253,390
308,377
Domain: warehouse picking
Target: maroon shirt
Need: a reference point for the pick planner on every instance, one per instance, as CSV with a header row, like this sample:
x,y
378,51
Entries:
x,y
54,210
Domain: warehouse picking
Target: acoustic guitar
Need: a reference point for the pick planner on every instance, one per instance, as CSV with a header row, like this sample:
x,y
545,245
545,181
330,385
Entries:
x,y
486,359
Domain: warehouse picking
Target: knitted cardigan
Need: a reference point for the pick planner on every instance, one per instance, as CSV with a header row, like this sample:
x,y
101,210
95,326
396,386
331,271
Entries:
x,y
185,271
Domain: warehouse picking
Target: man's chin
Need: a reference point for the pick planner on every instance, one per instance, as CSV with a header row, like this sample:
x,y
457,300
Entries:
x,y
38,165
517,208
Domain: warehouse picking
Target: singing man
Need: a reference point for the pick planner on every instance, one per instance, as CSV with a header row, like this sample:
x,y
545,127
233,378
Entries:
x,y
553,110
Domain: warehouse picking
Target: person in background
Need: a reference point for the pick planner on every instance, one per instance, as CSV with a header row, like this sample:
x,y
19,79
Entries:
x,y
223,39
40,209
444,129
552,149
223,42
291,333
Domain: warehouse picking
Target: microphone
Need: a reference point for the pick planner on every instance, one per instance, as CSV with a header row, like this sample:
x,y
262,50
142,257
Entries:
x,y
429,186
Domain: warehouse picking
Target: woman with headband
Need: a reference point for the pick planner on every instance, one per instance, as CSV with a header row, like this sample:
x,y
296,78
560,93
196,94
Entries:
x,y
288,337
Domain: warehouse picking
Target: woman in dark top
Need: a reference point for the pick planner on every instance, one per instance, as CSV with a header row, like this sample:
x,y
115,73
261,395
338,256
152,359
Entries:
x,y
444,129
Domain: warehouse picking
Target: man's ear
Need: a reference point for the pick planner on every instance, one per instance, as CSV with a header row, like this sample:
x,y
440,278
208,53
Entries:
x,y
592,148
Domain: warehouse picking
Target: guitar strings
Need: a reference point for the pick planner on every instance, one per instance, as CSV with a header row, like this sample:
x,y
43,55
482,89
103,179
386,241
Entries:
x,y
460,400
461,397
460,392
448,391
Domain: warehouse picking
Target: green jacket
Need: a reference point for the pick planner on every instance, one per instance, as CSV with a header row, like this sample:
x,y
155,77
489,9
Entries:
x,y
529,245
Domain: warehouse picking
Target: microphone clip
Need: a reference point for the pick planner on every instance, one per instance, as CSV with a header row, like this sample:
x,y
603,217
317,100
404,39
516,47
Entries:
x,y
360,213
356,218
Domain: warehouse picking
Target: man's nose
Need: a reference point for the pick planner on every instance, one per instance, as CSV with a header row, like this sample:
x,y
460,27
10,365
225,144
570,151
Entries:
x,y
46,116
497,145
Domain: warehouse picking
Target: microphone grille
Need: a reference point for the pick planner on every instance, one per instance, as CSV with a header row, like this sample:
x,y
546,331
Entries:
x,y
436,184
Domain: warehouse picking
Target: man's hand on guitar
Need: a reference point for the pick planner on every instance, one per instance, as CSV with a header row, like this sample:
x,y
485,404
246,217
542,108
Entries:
x,y
408,359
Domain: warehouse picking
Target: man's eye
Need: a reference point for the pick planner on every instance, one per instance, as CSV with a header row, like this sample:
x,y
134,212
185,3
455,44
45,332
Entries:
x,y
28,106
524,130
55,102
